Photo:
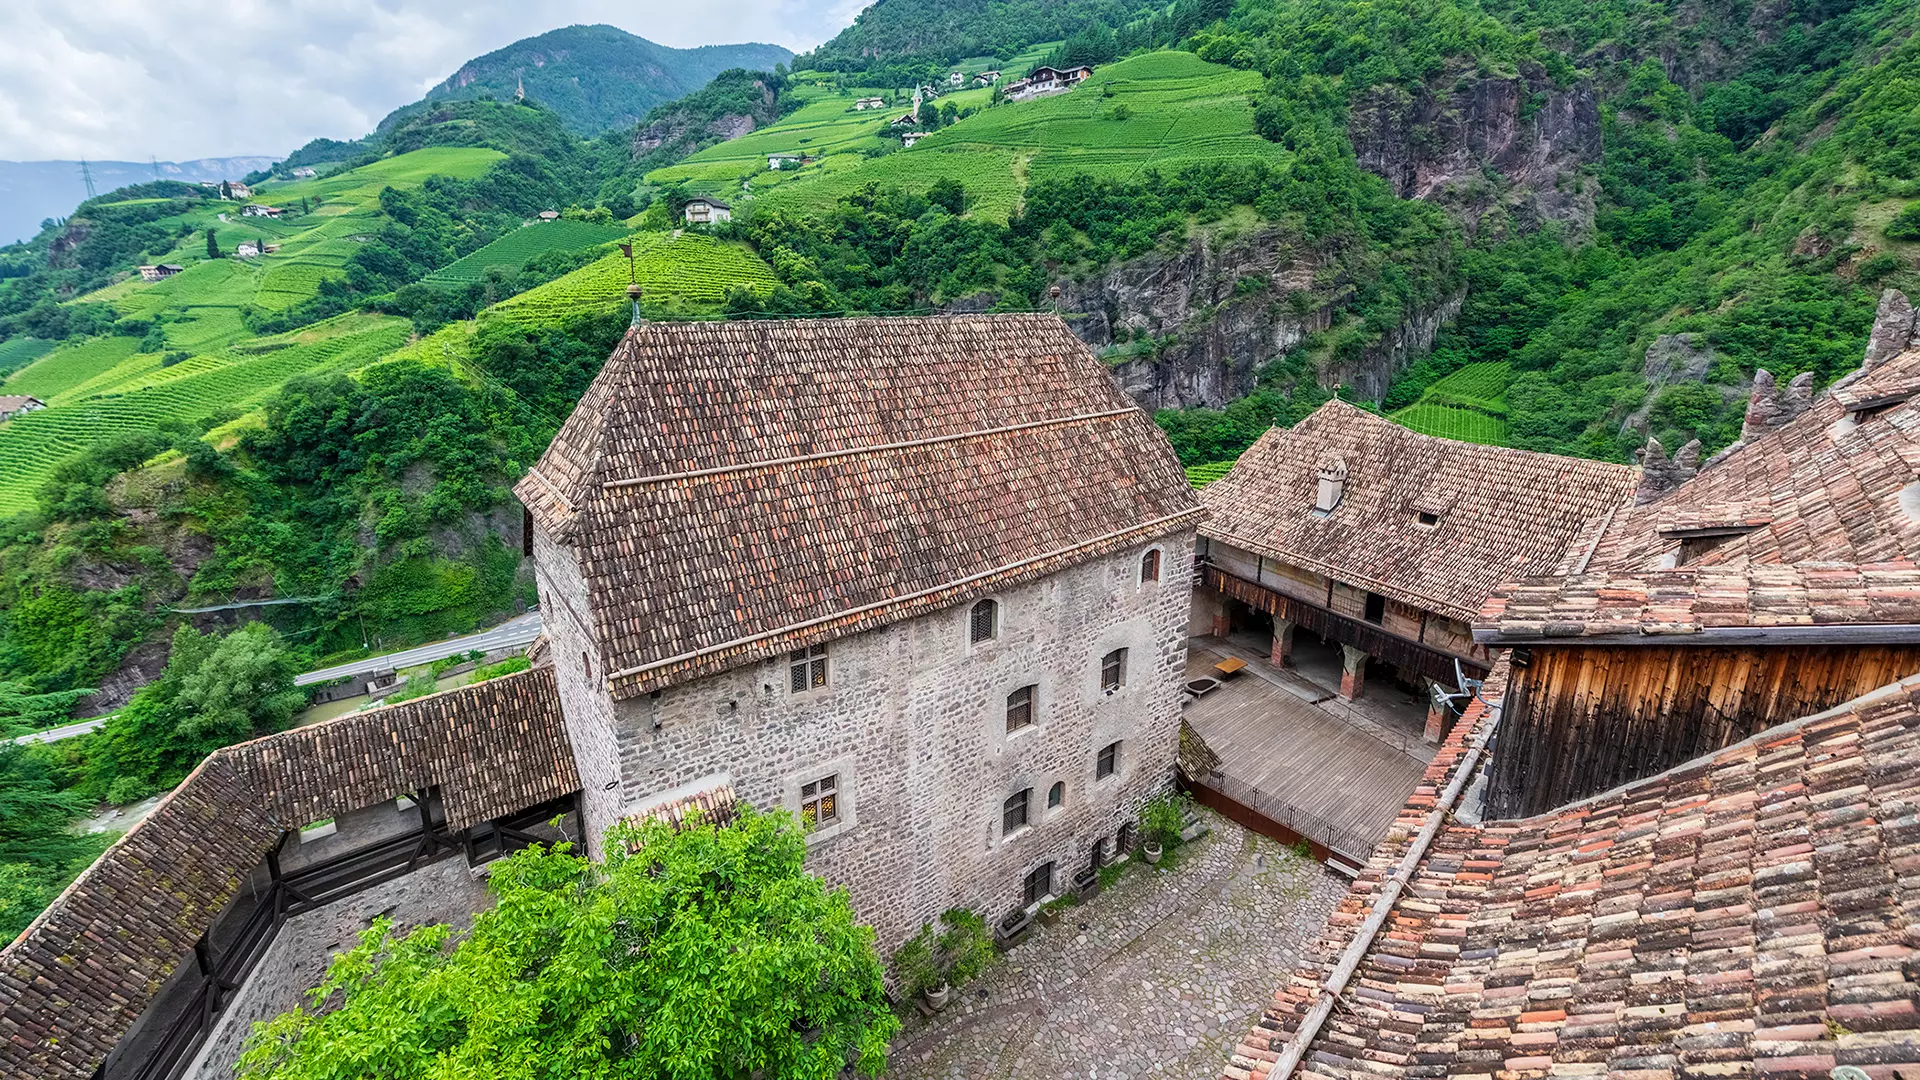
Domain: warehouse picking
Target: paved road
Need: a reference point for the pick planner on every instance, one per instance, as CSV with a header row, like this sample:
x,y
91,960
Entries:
x,y
517,631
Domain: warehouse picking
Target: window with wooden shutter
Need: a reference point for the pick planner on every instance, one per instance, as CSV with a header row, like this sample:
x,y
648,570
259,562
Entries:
x,y
1020,709
1150,566
1113,670
984,622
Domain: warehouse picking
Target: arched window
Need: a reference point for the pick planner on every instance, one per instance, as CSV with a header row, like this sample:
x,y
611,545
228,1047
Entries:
x,y
1013,812
984,622
1150,566
1057,794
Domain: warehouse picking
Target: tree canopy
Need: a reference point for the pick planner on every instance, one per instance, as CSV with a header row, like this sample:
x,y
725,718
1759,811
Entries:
x,y
706,952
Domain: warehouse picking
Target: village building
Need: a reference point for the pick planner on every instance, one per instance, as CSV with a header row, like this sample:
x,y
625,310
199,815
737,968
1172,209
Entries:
x,y
905,120
987,78
12,405
159,271
304,172
238,190
865,103
706,211
548,215
777,162
1673,833
261,210
968,704
907,139
957,78
247,249
1044,81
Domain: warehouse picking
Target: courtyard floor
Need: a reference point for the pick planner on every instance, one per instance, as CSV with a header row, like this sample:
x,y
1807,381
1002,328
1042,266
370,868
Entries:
x,y
1158,976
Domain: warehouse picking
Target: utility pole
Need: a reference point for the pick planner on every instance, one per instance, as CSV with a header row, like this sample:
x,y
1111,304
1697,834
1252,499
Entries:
x,y
86,176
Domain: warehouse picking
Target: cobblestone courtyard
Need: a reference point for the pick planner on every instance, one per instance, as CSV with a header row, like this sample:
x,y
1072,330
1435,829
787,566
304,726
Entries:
x,y
1156,978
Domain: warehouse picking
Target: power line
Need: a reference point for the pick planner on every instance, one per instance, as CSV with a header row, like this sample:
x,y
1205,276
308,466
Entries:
x,y
86,176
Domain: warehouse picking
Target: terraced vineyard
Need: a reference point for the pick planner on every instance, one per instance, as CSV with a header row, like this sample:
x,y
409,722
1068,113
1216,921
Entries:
x,y
688,274
139,396
19,352
69,366
1469,405
1163,110
514,249
1202,475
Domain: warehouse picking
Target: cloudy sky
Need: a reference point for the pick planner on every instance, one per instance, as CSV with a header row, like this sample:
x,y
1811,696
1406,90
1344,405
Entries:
x,y
183,79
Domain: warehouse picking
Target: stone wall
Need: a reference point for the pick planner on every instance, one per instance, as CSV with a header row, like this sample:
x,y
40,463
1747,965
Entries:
x,y
445,892
913,725
567,621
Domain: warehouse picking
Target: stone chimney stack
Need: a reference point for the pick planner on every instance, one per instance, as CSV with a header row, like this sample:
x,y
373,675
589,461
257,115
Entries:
x,y
1660,474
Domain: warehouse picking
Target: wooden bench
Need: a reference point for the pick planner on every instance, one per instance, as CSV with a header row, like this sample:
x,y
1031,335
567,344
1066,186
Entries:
x,y
1229,667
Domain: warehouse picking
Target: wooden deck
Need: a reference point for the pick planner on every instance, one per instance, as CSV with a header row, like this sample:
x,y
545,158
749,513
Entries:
x,y
1298,763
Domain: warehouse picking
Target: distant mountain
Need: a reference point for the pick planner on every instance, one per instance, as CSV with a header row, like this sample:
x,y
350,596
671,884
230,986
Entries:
x,y
596,77
32,191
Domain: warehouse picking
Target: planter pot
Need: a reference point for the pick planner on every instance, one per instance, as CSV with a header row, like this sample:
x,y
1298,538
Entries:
x,y
1086,884
1048,916
1152,851
1009,930
939,996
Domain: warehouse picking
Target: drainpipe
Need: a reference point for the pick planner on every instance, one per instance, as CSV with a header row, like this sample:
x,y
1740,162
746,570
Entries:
x,y
1336,983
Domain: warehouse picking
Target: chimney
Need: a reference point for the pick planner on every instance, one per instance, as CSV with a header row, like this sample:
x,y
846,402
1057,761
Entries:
x,y
1331,487
1660,474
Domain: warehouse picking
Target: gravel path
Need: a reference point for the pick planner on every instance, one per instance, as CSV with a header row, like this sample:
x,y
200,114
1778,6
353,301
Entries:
x,y
1157,977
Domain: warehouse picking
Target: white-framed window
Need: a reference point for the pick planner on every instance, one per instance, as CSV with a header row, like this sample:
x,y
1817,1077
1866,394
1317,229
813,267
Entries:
x,y
1021,708
807,668
1113,670
820,801
983,622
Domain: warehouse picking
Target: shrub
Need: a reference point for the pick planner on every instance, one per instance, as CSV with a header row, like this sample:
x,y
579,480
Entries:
x,y
128,789
915,963
966,945
1162,819
1905,225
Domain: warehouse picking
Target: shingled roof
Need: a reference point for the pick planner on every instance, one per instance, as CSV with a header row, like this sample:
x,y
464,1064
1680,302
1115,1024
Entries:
x,y
75,981
736,490
1503,514
1754,912
1831,485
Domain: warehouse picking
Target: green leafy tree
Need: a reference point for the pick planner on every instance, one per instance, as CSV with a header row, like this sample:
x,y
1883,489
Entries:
x,y
23,710
691,954
39,854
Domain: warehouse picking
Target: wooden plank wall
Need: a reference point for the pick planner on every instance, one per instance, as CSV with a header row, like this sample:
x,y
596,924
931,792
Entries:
x,y
1582,720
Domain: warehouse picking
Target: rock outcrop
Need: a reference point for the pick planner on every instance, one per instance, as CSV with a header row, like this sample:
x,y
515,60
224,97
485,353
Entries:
x,y
1210,315
1485,146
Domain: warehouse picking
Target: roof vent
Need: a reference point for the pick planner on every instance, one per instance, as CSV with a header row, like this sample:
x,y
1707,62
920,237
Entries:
x,y
1332,487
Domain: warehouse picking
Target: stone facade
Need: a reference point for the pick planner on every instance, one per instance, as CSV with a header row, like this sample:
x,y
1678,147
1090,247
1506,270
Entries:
x,y
912,726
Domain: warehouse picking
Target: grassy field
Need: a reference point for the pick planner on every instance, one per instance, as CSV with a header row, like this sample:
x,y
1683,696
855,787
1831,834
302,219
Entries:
x,y
137,394
684,275
1469,405
1164,110
69,366
514,249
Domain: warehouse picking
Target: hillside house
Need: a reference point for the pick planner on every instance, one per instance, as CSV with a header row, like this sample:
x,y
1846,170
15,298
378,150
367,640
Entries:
x,y
986,78
1674,828
957,78
1349,532
866,103
905,120
261,210
548,215
238,190
247,249
12,405
706,211
968,708
907,139
158,271
1043,81
777,162
304,172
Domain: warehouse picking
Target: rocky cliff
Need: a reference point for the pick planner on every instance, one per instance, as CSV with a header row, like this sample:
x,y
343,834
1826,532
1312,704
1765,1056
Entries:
x,y
1502,152
1194,326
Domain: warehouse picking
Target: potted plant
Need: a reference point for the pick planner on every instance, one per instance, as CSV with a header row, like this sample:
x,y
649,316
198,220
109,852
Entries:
x,y
919,969
1160,823
965,945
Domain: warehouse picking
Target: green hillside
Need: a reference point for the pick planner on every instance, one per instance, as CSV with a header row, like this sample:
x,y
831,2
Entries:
x,y
683,275
513,250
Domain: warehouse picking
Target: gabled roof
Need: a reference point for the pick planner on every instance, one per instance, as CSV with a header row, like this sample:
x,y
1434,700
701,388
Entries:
x,y
1754,912
1757,604
76,980
1823,487
1503,514
737,490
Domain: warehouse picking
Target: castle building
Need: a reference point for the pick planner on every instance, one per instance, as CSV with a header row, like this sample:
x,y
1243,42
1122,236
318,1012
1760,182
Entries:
x,y
923,582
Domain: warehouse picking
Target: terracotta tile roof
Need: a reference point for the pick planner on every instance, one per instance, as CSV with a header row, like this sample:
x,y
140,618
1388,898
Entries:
x,y
1882,599
1754,912
1822,487
1503,514
714,801
75,981
741,489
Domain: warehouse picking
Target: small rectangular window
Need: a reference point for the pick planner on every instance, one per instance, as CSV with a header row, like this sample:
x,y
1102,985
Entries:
x,y
1428,518
1038,886
1109,762
1376,608
1020,709
1150,566
1013,812
820,801
1113,670
808,668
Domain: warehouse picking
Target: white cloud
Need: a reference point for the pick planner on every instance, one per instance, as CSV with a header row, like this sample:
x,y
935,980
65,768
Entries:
x,y
181,79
